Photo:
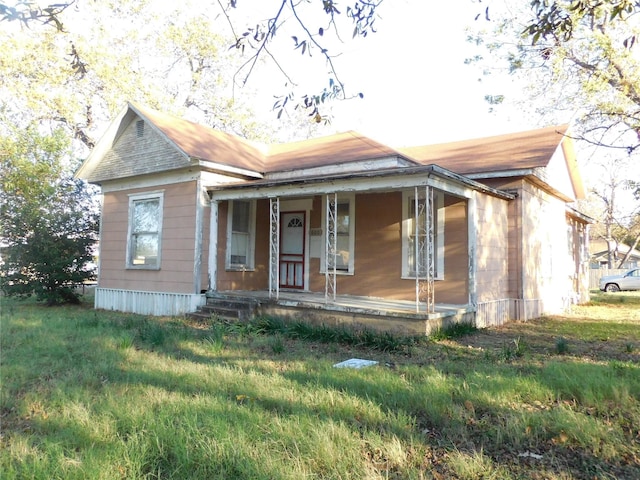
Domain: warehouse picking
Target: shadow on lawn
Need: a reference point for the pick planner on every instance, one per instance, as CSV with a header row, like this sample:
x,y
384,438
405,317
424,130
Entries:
x,y
445,415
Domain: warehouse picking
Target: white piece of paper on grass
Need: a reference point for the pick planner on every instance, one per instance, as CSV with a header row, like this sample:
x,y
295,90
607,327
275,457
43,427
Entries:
x,y
355,363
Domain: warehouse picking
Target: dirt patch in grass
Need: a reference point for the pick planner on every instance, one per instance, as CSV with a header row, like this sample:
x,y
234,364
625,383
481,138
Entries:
x,y
541,338
606,329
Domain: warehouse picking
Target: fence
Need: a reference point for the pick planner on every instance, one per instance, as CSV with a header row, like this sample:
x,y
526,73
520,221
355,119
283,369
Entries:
x,y
596,273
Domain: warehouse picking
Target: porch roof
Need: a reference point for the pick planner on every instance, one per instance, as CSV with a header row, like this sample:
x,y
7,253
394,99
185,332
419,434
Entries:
x,y
372,180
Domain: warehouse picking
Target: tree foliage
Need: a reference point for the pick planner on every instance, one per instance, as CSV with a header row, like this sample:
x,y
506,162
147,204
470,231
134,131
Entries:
x,y
582,62
48,219
313,28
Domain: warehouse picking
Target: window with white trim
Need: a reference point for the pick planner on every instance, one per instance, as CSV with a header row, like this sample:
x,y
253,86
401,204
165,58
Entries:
x,y
241,221
145,230
345,234
409,235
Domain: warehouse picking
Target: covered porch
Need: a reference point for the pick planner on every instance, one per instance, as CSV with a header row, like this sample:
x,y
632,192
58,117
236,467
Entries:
x,y
407,263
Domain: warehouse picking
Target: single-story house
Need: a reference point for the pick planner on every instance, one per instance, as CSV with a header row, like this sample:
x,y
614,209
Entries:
x,y
601,251
338,229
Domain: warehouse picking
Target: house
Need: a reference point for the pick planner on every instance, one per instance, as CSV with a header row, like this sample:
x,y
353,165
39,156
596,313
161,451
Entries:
x,y
600,254
339,229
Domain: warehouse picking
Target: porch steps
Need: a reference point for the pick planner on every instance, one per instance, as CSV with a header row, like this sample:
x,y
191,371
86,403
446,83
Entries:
x,y
227,308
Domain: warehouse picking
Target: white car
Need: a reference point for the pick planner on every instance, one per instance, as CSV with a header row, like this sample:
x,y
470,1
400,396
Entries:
x,y
625,281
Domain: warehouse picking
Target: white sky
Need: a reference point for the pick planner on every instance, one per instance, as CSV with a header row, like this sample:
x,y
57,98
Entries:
x,y
417,89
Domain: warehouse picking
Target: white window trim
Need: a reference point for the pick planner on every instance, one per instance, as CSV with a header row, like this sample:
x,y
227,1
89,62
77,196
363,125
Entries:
x,y
351,198
251,254
134,197
438,197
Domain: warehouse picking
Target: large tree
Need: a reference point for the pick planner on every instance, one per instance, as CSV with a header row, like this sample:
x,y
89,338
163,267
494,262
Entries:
x,y
48,220
258,33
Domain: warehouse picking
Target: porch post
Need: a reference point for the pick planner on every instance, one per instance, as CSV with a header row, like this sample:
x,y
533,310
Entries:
x,y
274,247
213,247
330,248
472,247
424,253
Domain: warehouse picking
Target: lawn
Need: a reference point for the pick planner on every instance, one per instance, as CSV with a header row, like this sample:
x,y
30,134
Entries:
x,y
104,395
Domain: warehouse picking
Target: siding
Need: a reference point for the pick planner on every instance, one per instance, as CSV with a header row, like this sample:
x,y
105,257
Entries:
x,y
492,274
378,251
176,272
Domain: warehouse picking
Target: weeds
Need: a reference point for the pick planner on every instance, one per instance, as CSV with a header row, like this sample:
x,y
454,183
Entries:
x,y
514,349
562,346
455,330
277,344
125,342
365,338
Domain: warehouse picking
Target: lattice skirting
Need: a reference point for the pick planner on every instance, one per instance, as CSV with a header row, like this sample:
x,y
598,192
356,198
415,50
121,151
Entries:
x,y
147,303
498,312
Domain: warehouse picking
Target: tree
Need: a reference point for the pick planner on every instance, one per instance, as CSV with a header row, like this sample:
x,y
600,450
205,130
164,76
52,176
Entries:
x,y
297,23
582,62
48,219
614,204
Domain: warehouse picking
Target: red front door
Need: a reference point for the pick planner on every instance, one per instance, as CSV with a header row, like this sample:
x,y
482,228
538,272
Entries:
x,y
292,236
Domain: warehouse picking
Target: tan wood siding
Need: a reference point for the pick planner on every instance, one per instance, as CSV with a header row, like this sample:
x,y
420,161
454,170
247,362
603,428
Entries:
x,y
178,240
492,275
455,286
378,251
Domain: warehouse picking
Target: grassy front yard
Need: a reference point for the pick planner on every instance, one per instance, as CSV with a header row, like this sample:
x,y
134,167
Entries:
x,y
103,395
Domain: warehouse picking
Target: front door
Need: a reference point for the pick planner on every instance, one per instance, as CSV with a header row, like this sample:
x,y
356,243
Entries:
x,y
292,268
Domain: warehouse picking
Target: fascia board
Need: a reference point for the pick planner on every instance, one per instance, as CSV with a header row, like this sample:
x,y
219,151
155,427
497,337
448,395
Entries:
x,y
219,167
372,181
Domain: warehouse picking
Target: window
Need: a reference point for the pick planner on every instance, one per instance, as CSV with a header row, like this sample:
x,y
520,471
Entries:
x,y
409,235
345,234
241,222
145,227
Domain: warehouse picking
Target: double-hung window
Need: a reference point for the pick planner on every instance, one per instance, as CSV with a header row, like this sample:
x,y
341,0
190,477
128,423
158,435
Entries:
x,y
241,222
411,235
145,230
345,233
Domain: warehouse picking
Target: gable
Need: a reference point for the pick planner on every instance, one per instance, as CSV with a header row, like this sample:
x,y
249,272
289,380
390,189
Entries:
x,y
557,175
138,150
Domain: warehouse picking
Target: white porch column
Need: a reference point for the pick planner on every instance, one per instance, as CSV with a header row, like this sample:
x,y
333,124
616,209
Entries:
x,y
330,250
472,247
274,247
213,247
424,248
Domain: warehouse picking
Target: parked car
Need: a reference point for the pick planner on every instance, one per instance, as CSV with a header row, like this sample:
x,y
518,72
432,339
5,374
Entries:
x,y
626,281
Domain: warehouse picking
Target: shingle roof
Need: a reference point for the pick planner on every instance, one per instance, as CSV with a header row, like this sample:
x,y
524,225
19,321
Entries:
x,y
334,149
205,143
515,151
511,152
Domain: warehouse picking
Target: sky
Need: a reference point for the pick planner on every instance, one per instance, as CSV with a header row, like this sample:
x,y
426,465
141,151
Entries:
x,y
416,86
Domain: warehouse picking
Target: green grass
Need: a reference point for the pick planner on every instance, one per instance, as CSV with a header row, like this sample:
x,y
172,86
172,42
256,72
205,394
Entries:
x,y
104,395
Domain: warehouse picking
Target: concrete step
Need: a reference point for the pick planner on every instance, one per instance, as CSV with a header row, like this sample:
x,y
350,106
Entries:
x,y
227,308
